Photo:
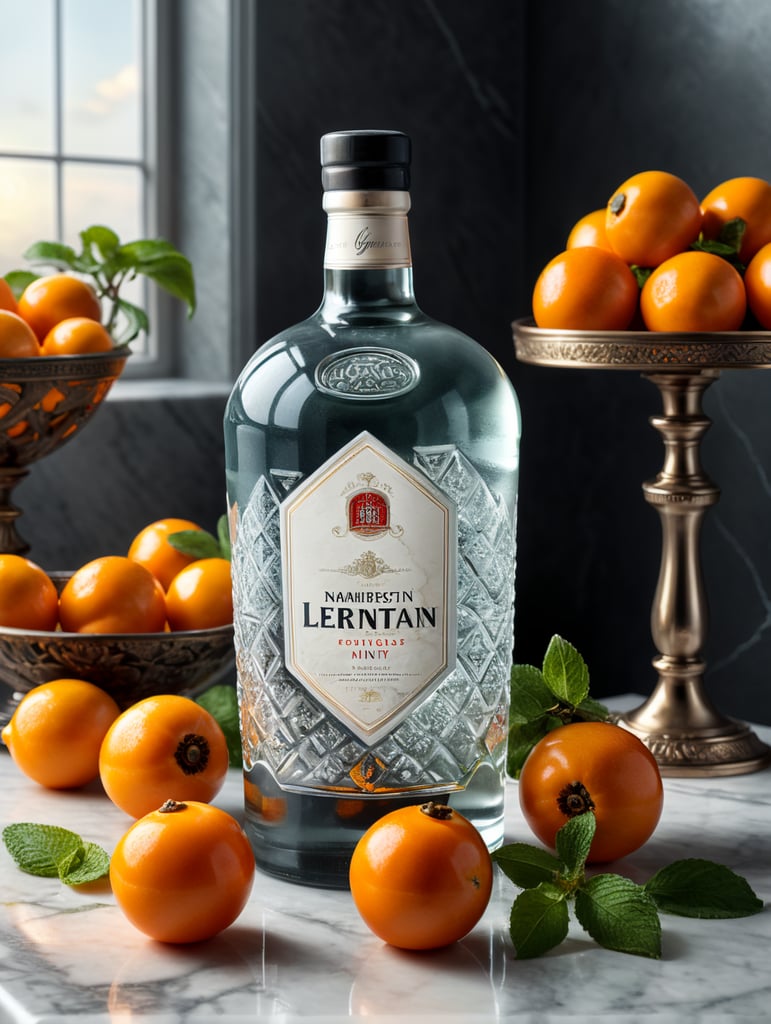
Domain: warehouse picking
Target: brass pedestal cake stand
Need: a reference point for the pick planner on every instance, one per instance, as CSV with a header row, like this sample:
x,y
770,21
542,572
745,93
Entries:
x,y
679,723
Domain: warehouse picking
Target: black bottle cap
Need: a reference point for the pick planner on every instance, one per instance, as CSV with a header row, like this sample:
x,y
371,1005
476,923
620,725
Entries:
x,y
365,160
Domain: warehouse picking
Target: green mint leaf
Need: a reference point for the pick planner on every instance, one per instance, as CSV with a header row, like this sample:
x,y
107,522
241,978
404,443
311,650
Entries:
x,y
573,842
522,739
94,864
221,701
531,698
590,710
732,233
72,861
619,915
641,274
42,849
527,866
539,920
19,279
196,543
223,536
105,240
715,247
53,254
565,672
49,851
701,888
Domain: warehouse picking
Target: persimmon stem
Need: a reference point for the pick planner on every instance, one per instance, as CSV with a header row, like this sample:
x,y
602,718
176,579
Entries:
x,y
192,754
440,811
575,799
618,202
172,806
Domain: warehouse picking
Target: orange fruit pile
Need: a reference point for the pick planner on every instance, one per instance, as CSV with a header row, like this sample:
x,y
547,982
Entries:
x,y
66,733
57,315
658,259
60,313
184,869
152,589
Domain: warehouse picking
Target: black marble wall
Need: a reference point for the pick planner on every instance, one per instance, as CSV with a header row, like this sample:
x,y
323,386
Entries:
x,y
523,115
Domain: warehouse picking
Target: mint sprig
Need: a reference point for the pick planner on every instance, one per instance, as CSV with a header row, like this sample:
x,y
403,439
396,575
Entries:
x,y
617,913
542,699
50,851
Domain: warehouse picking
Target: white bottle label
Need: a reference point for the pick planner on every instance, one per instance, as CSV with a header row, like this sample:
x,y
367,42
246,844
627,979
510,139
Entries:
x,y
365,239
369,550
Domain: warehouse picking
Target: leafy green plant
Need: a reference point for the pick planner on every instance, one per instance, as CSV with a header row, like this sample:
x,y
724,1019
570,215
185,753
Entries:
x,y
110,264
542,699
616,912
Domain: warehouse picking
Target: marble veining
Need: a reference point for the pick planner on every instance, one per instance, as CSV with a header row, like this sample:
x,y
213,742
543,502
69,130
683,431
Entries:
x,y
301,954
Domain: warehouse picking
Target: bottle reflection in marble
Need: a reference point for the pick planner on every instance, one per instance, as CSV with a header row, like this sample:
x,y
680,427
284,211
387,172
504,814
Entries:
x,y
372,458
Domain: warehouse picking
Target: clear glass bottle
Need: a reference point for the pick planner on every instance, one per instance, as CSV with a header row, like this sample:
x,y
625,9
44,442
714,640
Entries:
x,y
372,457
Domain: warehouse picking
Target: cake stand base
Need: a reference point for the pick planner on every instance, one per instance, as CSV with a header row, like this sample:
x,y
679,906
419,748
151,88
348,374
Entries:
x,y
688,737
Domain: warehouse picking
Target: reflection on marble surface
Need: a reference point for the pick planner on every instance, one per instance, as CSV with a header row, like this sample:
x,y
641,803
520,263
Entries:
x,y
300,954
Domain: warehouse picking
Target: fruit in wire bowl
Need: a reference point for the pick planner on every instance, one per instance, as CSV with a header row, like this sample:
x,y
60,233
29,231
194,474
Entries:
x,y
128,666
106,623
64,341
692,261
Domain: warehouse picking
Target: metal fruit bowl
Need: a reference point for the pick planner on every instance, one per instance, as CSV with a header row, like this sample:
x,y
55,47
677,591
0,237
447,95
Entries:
x,y
45,401
129,666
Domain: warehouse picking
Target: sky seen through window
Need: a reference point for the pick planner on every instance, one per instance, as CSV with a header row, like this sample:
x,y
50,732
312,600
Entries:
x,y
74,110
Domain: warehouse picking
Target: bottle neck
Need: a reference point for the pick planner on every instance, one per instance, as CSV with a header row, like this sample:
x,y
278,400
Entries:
x,y
367,260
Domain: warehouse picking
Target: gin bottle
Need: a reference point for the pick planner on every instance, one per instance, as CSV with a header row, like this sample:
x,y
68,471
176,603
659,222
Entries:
x,y
372,457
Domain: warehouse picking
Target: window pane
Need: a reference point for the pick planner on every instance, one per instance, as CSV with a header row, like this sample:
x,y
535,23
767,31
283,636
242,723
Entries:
x,y
27,76
27,191
100,194
101,72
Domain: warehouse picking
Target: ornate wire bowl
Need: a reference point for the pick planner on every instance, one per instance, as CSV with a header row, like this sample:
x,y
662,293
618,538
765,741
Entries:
x,y
45,401
129,666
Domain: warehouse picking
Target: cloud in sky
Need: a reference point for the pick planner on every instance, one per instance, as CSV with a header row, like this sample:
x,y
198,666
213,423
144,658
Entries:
x,y
108,92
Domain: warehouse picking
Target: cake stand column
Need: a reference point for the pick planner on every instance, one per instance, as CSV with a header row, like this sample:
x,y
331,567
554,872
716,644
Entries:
x,y
678,722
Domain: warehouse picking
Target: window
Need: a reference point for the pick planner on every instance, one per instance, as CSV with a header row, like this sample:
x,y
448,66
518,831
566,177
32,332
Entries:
x,y
75,143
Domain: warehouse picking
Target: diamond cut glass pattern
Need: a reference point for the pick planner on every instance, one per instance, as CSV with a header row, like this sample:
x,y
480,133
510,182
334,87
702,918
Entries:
x,y
442,741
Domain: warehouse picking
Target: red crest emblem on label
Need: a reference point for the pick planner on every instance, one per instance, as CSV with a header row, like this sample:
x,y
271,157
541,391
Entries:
x,y
369,513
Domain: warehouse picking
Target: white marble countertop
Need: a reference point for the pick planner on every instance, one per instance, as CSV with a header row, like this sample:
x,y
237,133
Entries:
x,y
300,954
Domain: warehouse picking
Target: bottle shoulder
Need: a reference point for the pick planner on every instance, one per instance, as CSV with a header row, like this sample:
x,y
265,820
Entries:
x,y
301,347
420,371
